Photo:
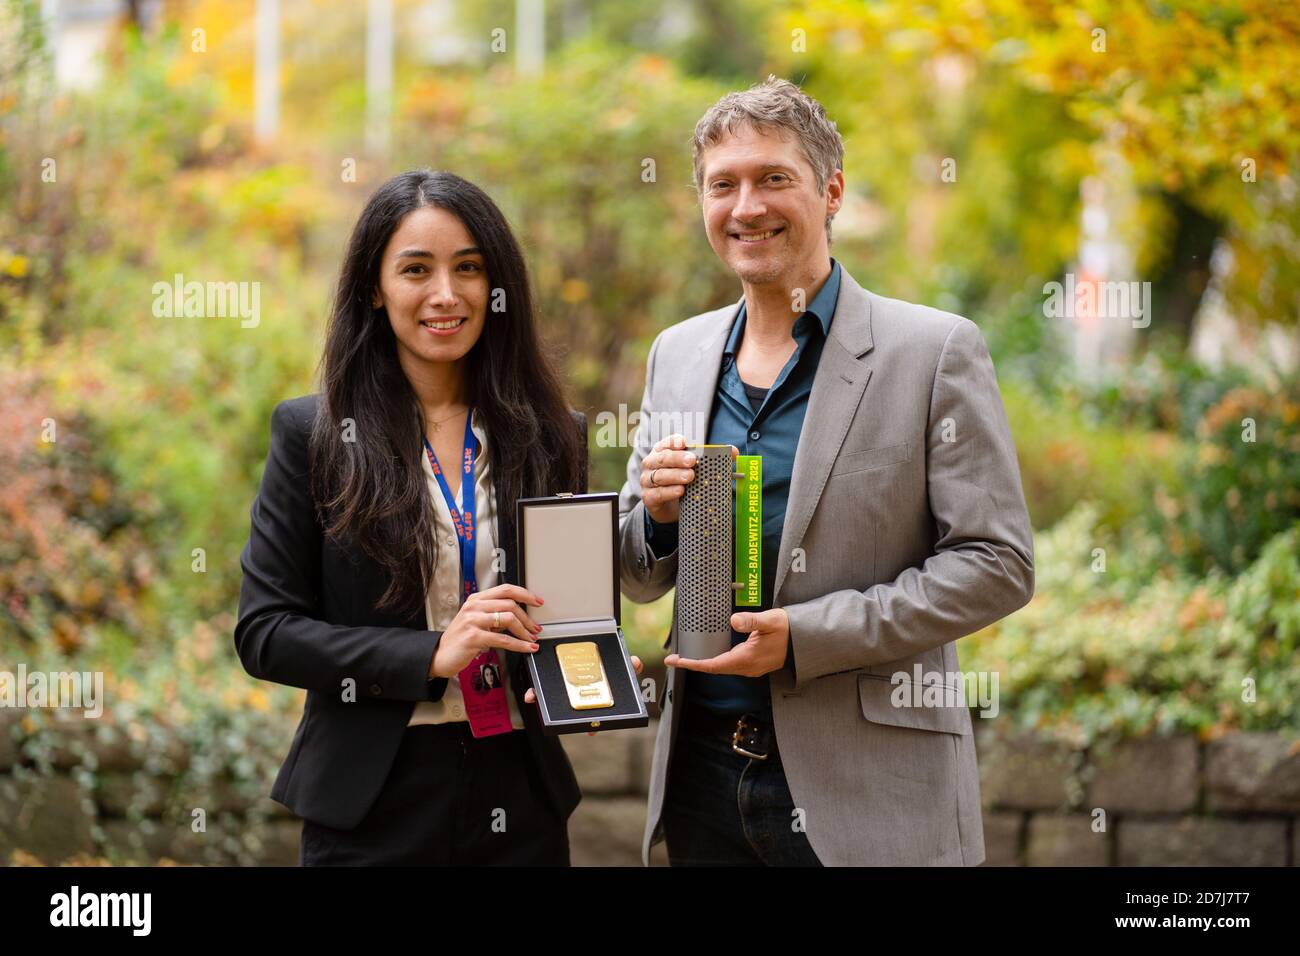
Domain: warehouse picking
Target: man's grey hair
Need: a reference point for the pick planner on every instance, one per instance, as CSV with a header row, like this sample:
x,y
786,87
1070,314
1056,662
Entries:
x,y
774,104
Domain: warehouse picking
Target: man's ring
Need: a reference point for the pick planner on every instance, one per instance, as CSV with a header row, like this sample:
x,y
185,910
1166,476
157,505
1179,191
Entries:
x,y
652,478
496,620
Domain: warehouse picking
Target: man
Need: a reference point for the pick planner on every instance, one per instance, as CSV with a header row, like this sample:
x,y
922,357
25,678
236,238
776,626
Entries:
x,y
893,524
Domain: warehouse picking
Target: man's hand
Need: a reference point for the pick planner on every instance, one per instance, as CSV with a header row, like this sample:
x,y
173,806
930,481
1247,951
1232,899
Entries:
x,y
665,473
761,653
531,698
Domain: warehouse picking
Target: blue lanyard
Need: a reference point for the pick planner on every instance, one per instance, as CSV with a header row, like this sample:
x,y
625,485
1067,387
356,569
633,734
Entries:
x,y
462,521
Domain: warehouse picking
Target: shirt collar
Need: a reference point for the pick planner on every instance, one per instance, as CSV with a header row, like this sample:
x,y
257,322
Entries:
x,y
480,432
479,428
822,307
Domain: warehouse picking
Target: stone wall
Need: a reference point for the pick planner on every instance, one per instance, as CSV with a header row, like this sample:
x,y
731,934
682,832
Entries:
x,y
1160,802
112,794
1169,801
1165,802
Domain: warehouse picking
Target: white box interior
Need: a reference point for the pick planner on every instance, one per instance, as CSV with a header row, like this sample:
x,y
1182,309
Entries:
x,y
569,561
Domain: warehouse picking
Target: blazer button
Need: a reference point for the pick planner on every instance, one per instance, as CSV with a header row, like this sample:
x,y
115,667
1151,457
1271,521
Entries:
x,y
375,689
640,562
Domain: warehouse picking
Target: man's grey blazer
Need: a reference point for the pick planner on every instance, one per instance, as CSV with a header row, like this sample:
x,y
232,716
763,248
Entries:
x,y
906,530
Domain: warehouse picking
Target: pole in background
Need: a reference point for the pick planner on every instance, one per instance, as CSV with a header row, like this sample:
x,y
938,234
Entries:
x,y
379,75
530,36
266,82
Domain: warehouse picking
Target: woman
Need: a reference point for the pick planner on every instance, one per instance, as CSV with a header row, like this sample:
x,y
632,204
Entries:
x,y
379,567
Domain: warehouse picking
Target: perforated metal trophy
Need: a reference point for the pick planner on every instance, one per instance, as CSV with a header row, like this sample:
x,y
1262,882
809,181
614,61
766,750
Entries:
x,y
719,533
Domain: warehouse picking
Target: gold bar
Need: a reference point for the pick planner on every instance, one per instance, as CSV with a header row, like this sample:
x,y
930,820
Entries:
x,y
584,675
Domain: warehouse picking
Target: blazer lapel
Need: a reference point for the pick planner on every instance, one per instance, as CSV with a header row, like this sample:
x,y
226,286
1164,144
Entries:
x,y
837,390
699,381
505,539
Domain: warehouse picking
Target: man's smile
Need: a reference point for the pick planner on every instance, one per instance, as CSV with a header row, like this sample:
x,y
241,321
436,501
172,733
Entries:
x,y
755,237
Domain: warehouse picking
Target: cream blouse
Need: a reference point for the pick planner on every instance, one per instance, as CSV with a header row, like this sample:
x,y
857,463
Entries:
x,y
443,599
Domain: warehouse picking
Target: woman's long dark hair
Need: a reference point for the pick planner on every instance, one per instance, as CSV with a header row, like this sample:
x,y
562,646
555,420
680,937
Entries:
x,y
372,491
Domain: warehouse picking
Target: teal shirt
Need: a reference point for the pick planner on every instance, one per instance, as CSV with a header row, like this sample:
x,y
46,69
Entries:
x,y
767,423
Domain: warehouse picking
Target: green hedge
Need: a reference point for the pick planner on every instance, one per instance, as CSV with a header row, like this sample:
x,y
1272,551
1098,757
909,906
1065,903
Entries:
x,y
1114,643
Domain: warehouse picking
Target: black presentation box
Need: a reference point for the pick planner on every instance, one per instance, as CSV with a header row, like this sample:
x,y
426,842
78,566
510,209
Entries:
x,y
568,556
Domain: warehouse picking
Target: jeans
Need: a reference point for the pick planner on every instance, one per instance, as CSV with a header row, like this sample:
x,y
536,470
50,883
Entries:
x,y
725,809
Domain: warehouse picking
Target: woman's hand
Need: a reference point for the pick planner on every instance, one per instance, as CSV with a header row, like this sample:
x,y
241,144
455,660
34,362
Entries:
x,y
531,698
470,633
665,473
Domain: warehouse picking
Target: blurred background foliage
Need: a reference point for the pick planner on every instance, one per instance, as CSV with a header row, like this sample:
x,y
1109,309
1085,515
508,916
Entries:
x,y
119,542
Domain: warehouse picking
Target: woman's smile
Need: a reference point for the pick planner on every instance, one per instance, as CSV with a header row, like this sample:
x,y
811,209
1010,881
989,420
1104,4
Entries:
x,y
444,326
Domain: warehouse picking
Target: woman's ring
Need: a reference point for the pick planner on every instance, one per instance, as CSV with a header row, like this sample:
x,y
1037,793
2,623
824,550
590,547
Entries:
x,y
496,620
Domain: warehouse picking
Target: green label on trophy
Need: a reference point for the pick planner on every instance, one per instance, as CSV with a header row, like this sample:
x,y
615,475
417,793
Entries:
x,y
749,530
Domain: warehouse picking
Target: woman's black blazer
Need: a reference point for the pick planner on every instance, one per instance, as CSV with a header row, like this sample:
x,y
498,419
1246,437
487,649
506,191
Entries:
x,y
307,618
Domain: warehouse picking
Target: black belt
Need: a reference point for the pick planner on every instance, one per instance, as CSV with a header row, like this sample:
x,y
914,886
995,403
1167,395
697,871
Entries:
x,y
750,735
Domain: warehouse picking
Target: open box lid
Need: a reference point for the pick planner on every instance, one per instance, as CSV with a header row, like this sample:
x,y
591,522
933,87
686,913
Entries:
x,y
568,555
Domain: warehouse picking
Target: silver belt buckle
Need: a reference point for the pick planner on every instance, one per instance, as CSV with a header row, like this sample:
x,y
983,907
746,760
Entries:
x,y
736,738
